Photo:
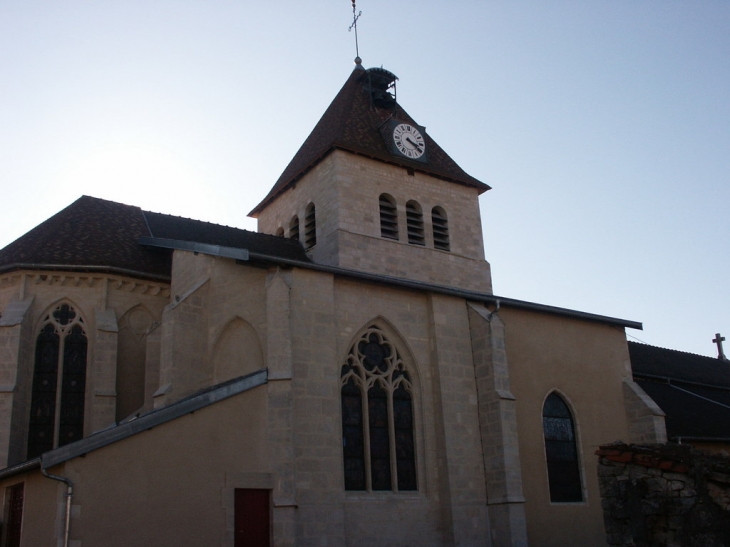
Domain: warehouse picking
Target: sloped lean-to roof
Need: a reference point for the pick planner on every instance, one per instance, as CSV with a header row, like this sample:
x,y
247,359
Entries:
x,y
352,122
142,423
692,390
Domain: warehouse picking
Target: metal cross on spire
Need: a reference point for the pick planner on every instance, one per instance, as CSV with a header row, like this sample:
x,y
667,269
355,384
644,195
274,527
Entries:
x,y
719,340
355,16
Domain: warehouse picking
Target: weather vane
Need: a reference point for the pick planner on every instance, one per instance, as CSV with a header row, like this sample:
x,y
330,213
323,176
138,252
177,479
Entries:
x,y
355,16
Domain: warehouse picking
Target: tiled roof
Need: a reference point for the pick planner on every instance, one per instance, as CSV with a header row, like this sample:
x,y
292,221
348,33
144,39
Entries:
x,y
91,233
692,390
679,365
352,123
99,235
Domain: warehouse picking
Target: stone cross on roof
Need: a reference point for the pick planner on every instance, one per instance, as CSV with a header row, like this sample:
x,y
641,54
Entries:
x,y
719,340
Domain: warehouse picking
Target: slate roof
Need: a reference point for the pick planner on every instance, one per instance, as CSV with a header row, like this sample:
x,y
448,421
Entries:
x,y
352,123
692,390
93,234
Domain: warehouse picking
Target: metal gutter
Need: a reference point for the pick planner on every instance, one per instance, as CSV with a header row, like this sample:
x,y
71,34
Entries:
x,y
450,291
230,252
202,248
153,419
24,467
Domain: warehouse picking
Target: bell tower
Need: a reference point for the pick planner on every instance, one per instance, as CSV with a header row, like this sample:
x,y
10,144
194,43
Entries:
x,y
370,190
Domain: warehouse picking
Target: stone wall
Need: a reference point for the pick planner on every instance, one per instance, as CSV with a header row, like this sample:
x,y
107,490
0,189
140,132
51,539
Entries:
x,y
664,495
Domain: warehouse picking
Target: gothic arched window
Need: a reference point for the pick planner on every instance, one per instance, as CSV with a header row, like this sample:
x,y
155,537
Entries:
x,y
377,416
440,229
561,451
310,227
388,217
414,223
59,382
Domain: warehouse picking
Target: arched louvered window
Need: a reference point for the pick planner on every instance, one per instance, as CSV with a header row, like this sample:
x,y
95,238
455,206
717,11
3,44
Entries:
x,y
310,227
561,451
377,417
59,382
388,217
414,223
440,229
294,228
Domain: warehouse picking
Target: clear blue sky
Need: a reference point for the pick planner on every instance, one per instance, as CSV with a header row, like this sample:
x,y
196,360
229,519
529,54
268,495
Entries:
x,y
602,126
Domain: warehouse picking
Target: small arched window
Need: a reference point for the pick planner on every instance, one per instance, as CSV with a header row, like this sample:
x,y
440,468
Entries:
x,y
279,231
377,416
59,382
561,451
414,223
294,228
310,227
388,217
440,229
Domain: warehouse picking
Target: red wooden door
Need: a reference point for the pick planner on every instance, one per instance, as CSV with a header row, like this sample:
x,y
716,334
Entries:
x,y
252,518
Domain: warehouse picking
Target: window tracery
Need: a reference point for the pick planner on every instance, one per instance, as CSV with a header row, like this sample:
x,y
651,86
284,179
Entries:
x,y
59,382
377,416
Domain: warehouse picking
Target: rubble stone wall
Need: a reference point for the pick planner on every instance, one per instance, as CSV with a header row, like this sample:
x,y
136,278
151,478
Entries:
x,y
664,495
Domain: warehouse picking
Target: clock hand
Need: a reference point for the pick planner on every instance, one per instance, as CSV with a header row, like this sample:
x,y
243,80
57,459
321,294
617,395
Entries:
x,y
417,145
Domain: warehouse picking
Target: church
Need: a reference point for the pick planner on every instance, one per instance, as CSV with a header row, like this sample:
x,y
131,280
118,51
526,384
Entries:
x,y
345,376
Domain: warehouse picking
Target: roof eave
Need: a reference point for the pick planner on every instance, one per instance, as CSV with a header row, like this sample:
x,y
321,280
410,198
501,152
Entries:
x,y
82,268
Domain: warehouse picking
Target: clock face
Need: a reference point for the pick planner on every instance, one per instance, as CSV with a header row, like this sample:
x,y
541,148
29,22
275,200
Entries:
x,y
409,141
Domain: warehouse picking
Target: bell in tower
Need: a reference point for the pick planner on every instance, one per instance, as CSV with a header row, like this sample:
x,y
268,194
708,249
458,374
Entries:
x,y
381,85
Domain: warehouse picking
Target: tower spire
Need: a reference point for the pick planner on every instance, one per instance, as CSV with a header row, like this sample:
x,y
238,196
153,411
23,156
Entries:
x,y
355,16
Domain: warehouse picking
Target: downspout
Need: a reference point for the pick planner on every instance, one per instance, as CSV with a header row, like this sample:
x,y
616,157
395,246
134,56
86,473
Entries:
x,y
69,497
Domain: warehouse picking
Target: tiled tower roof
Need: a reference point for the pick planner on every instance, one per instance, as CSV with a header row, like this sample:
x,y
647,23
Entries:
x,y
352,123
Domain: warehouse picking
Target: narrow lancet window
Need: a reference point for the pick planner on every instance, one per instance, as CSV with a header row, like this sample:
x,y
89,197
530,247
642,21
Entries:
x,y
310,227
388,217
414,223
294,228
561,451
377,417
59,382
440,229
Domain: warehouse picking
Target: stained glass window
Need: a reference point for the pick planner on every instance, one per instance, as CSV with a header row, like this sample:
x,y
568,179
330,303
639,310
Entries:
x,y
377,417
59,382
561,451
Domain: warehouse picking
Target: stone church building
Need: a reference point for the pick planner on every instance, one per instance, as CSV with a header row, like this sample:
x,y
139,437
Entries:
x,y
343,377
